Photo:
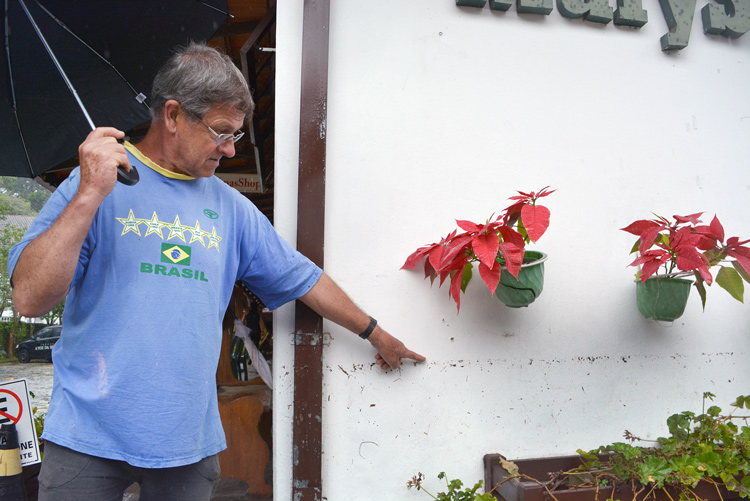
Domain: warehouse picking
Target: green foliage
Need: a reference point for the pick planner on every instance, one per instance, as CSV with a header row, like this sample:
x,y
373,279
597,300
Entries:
x,y
27,191
39,421
39,418
15,206
456,490
55,316
24,330
707,446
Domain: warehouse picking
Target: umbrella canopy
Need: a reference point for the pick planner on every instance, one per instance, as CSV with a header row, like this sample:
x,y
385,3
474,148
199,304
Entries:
x,y
108,51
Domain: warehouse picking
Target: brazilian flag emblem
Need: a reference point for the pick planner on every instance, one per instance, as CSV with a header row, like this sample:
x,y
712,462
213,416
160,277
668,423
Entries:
x,y
175,254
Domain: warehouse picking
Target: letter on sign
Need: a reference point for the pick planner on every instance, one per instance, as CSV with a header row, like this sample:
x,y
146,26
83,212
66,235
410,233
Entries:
x,y
471,3
494,4
679,17
534,6
731,19
596,11
630,13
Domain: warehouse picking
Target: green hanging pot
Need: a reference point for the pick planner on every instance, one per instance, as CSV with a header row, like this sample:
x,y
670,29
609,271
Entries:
x,y
521,292
662,298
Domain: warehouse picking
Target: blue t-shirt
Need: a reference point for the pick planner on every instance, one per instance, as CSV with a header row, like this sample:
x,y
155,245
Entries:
x,y
135,367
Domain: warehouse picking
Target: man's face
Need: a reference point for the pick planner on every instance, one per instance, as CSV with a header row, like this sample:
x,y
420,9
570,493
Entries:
x,y
198,154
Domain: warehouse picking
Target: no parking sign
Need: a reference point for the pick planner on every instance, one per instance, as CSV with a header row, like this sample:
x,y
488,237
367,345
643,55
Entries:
x,y
15,408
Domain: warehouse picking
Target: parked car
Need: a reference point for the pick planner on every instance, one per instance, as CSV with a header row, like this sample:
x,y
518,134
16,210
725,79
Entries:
x,y
39,345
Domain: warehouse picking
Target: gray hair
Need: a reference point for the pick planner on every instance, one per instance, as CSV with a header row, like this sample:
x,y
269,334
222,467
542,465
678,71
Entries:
x,y
200,78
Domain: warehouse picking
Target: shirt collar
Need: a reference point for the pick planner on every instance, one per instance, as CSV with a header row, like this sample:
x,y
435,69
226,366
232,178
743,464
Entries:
x,y
152,165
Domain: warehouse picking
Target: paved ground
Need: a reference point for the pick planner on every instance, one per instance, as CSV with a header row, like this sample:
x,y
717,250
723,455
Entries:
x,y
39,375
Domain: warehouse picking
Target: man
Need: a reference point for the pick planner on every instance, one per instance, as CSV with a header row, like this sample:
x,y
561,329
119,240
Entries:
x,y
148,271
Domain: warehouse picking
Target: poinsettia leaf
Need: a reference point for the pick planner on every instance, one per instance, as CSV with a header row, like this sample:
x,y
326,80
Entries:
x,y
417,256
536,220
705,243
706,275
545,192
524,196
692,218
512,236
512,213
662,239
741,271
490,276
456,248
467,225
688,259
651,261
466,276
717,229
739,250
455,265
455,290
701,290
443,275
652,266
436,256
485,246
429,271
513,256
493,225
638,227
635,246
647,238
683,236
742,255
731,281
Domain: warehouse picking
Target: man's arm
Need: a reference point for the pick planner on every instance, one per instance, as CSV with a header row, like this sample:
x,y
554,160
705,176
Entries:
x,y
329,301
46,267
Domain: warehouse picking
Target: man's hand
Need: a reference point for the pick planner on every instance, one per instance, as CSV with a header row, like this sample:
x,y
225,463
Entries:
x,y
100,155
329,301
47,265
391,350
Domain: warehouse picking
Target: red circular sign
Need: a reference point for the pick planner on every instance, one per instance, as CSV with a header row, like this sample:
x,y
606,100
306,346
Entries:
x,y
20,408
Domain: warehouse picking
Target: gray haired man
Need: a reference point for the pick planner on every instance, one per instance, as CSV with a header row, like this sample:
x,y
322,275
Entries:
x,y
148,271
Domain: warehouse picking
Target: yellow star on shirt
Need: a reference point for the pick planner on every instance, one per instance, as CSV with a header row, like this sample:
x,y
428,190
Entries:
x,y
176,229
198,234
154,226
130,224
214,239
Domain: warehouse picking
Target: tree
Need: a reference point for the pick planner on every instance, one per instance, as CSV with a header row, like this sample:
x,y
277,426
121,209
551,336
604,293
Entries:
x,y
12,205
18,197
24,193
55,315
9,236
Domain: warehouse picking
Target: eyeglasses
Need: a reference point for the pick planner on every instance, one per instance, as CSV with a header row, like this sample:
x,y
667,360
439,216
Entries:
x,y
219,139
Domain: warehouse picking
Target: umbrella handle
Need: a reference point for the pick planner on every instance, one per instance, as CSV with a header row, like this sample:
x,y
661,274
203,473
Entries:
x,y
128,178
125,177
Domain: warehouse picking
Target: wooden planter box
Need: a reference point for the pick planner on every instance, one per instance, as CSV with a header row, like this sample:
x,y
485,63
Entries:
x,y
539,469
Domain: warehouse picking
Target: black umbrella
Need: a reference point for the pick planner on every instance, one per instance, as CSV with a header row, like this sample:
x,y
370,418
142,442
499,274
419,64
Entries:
x,y
71,64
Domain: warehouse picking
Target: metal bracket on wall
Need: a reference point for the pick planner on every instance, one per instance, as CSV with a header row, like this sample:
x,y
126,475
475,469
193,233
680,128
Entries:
x,y
309,339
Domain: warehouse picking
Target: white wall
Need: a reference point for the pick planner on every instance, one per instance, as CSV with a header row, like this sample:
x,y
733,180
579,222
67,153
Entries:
x,y
438,112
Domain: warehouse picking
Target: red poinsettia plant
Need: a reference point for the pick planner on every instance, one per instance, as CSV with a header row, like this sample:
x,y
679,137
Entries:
x,y
497,243
686,247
